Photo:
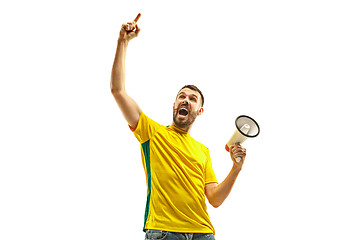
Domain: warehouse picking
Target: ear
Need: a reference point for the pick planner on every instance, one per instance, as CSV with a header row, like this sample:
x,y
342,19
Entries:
x,y
201,110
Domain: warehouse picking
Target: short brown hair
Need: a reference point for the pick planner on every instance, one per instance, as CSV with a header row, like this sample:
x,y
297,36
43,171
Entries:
x,y
193,87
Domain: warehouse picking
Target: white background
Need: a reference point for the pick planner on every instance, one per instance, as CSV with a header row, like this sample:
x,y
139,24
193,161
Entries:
x,y
70,168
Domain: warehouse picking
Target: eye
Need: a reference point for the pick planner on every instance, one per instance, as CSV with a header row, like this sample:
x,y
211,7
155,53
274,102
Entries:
x,y
193,99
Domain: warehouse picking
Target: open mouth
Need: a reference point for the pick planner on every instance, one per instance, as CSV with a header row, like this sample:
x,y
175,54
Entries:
x,y
183,112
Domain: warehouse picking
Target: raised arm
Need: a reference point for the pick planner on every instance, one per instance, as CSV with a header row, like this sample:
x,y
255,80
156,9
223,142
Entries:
x,y
128,106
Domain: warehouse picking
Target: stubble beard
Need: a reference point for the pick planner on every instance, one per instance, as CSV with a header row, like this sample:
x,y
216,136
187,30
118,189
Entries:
x,y
183,124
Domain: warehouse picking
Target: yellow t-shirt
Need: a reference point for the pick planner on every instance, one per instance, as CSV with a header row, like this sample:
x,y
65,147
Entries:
x,y
177,168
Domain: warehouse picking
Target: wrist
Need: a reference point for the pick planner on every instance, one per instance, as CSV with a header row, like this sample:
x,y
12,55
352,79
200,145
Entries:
x,y
236,168
123,42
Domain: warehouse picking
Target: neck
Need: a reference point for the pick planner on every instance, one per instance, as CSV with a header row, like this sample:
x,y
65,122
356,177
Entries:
x,y
185,129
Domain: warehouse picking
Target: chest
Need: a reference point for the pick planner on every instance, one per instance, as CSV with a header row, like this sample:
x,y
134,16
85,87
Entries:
x,y
176,155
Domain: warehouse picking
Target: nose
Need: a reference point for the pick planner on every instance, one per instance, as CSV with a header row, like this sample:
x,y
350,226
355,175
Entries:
x,y
185,101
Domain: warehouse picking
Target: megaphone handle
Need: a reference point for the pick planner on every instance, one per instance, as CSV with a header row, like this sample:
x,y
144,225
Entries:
x,y
238,159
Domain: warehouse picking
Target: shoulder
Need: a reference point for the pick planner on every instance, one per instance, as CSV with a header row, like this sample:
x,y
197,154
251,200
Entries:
x,y
146,128
199,145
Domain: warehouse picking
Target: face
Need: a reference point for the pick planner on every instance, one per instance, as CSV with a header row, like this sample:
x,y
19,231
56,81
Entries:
x,y
186,108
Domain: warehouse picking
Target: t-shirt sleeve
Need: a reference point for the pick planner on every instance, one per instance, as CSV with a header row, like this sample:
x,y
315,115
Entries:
x,y
145,128
209,172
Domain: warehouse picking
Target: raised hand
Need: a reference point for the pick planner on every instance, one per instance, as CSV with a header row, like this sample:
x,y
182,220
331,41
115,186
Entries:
x,y
130,30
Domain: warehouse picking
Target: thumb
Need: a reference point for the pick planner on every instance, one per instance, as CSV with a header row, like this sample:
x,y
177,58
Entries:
x,y
131,35
137,30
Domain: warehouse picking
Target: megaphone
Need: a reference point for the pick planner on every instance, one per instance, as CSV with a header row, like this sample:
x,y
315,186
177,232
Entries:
x,y
246,127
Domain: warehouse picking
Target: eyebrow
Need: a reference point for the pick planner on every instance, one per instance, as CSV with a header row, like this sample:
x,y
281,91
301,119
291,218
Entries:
x,y
183,93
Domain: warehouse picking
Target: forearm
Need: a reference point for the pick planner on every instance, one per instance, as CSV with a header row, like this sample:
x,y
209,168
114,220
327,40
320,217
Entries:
x,y
118,69
222,190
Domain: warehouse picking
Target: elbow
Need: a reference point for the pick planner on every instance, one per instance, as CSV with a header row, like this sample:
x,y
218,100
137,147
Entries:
x,y
215,205
116,91
116,87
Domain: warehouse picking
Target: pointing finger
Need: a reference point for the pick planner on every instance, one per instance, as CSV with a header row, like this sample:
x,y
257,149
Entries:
x,y
137,18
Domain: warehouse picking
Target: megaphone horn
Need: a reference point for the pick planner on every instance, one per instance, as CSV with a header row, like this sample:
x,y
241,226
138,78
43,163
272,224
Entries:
x,y
246,127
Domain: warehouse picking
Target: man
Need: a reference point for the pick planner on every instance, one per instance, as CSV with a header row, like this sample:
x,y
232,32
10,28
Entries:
x,y
178,168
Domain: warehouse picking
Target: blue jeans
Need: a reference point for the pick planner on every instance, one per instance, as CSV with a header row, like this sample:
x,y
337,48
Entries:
x,y
162,235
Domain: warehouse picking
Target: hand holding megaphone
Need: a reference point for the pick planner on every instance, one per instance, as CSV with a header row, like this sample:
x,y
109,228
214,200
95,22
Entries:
x,y
237,152
246,127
